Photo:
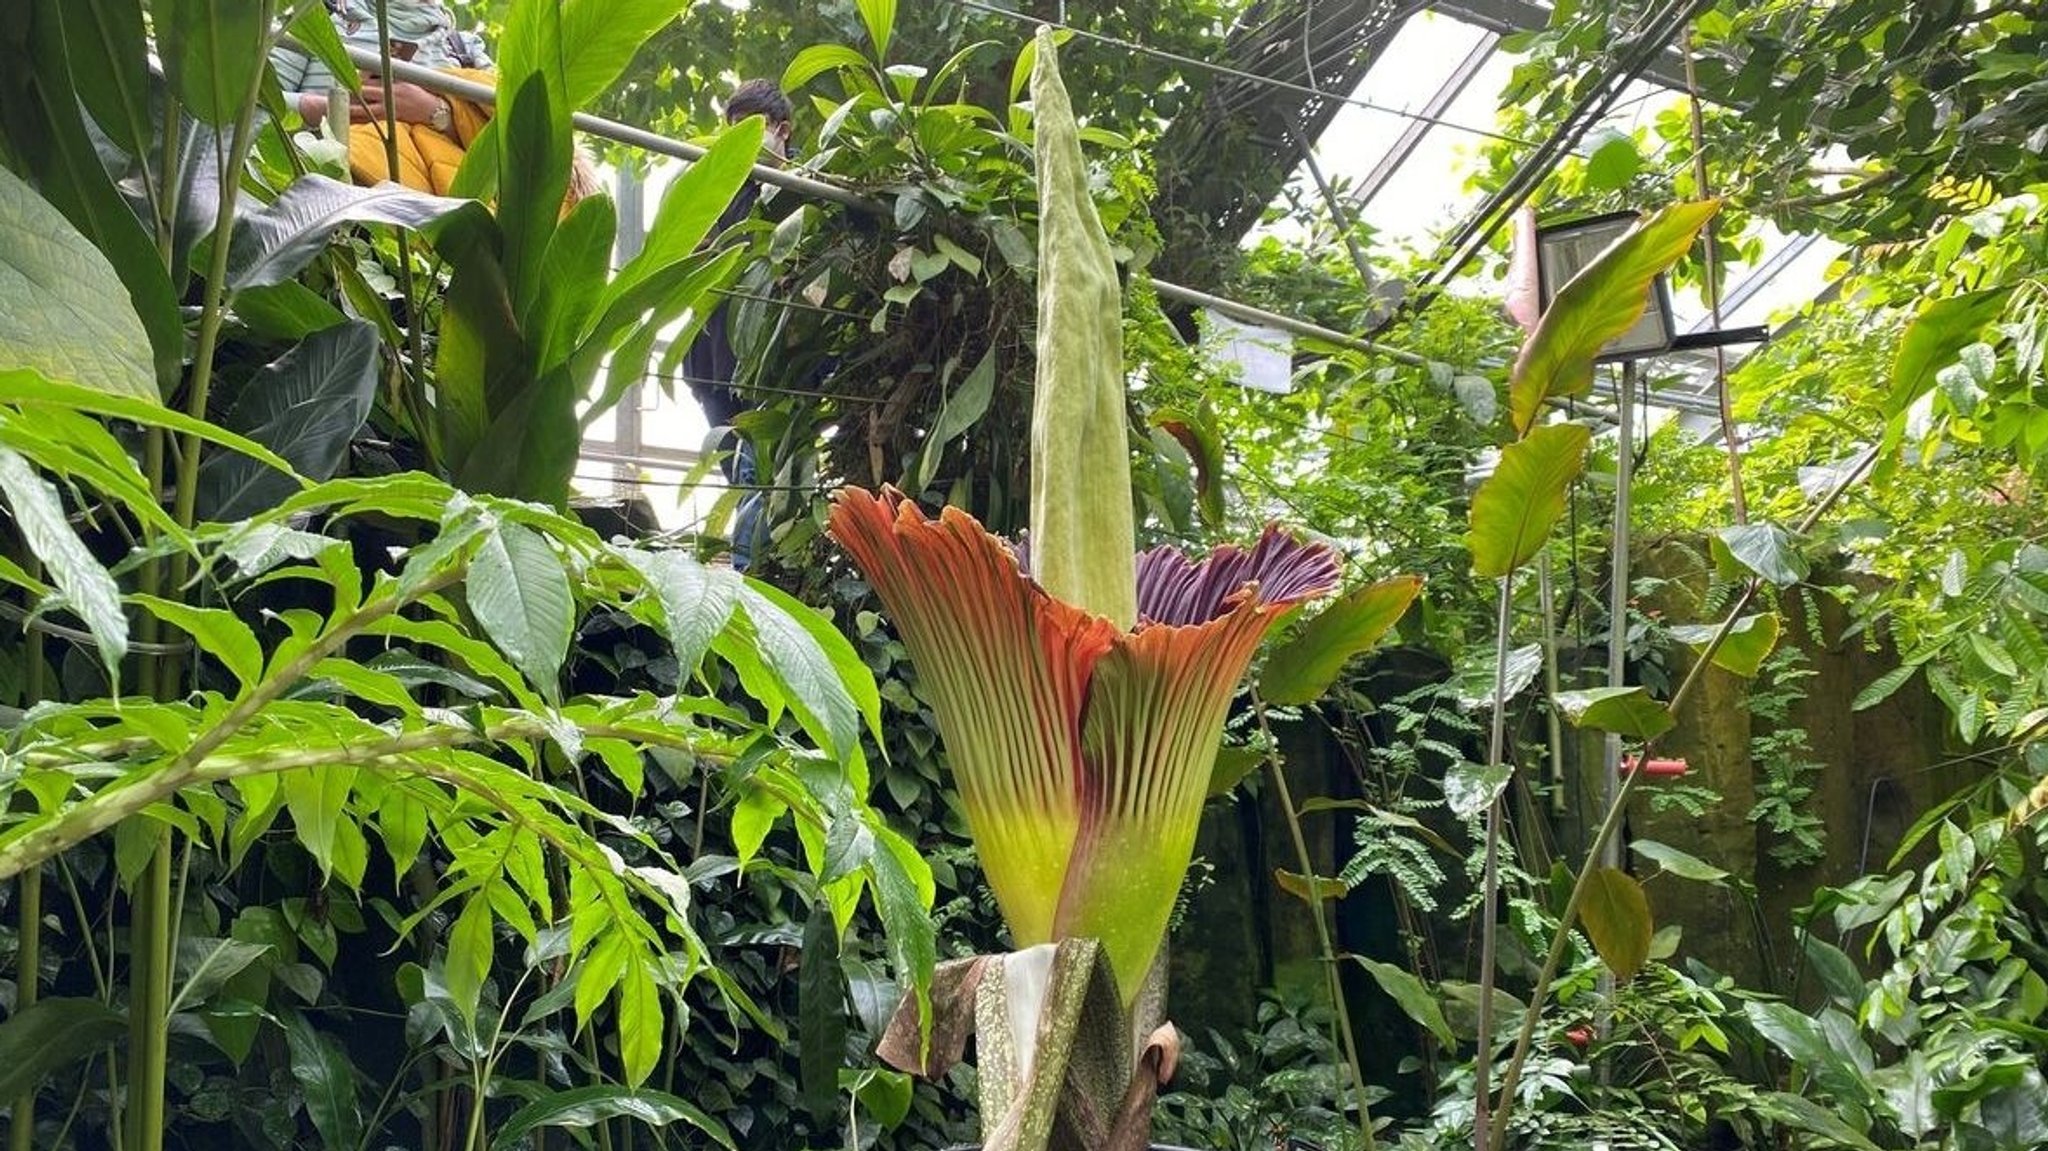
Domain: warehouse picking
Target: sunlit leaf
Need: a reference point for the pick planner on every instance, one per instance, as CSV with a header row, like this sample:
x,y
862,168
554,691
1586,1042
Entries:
x,y
1748,644
1515,508
1470,788
1302,669
1626,711
1602,302
1766,550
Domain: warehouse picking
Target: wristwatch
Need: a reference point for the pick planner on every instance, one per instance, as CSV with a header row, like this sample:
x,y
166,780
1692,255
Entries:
x,y
444,116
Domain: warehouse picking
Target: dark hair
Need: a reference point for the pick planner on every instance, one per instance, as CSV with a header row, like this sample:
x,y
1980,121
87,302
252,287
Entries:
x,y
758,98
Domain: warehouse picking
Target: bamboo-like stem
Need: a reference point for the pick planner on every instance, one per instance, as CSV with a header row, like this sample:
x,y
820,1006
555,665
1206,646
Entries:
x,y
1329,950
1495,1139
415,341
1489,887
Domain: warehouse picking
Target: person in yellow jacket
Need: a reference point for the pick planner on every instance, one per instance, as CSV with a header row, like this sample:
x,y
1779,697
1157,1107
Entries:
x,y
434,131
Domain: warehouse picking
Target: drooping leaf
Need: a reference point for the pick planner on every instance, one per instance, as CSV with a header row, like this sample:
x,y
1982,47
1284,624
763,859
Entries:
x,y
960,410
1749,642
275,243
85,586
216,631
206,965
1679,863
1515,508
1310,888
328,1080
109,56
1233,764
1199,439
1476,680
1881,688
318,800
1413,998
819,686
1766,550
1302,669
580,1108
521,598
470,950
64,313
821,1013
212,51
1616,915
41,1039
306,406
1602,302
640,1020
817,60
30,391
1627,711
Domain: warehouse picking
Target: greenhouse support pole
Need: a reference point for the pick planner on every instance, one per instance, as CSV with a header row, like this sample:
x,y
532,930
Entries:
x,y
1617,589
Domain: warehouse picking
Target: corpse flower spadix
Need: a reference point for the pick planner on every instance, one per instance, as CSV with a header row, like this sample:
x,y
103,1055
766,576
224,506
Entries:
x,y
1082,750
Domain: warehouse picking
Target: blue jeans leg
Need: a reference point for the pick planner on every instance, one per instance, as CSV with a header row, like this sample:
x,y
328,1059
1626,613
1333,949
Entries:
x,y
746,522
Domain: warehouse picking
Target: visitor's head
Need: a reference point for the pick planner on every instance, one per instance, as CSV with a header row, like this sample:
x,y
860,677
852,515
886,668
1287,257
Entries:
x,y
762,98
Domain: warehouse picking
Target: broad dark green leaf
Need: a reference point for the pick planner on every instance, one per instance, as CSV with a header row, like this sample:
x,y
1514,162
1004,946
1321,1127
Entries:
x,y
83,584
821,1013
1231,766
1602,302
1302,669
109,57
521,598
306,406
1198,437
328,1081
578,262
1679,863
41,1039
318,800
1804,1114
273,244
204,966
1413,997
1616,915
1514,510
471,947
696,601
1626,711
64,313
1749,642
1836,971
288,311
584,1107
213,50
1935,339
538,145
901,879
1804,1041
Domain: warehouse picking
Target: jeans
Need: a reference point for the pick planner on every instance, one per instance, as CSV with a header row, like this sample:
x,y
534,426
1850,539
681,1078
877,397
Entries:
x,y
746,520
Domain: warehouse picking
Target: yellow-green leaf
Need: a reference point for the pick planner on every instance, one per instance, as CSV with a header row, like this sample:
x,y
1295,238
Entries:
x,y
1514,510
1627,711
1747,645
1302,669
1603,301
1616,915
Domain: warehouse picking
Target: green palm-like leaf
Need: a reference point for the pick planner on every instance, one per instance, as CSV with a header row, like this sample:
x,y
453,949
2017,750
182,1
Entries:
x,y
1603,301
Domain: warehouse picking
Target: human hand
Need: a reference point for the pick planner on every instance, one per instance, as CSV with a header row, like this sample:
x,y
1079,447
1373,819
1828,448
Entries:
x,y
410,103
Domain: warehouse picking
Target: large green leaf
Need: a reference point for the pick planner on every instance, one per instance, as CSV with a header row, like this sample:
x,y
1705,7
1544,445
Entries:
x,y
688,210
817,59
1514,510
328,1081
31,390
539,147
109,57
50,1034
959,411
821,1012
217,631
314,30
1748,644
63,310
47,130
273,244
84,585
1616,915
1626,711
1302,669
306,406
1934,340
579,259
880,18
580,1108
213,51
696,601
1412,996
829,692
471,948
318,799
521,597
1602,302
1679,863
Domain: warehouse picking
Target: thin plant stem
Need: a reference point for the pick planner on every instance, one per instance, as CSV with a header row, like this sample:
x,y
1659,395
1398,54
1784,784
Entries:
x,y
415,342
1704,188
1489,887
1495,1139
1329,950
28,956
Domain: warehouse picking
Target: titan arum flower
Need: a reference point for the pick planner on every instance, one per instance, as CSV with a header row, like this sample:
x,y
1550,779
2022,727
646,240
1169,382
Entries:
x,y
1081,709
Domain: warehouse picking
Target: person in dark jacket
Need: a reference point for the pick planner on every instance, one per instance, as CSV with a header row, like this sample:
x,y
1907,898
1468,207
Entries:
x,y
710,366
